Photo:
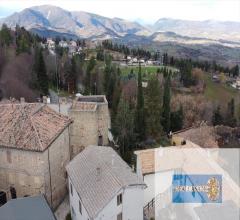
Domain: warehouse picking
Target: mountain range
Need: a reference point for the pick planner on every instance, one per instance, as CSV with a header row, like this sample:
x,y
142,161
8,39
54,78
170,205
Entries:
x,y
55,20
51,21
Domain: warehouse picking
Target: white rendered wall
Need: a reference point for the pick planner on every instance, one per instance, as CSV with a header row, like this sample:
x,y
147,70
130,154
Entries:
x,y
74,202
156,183
131,207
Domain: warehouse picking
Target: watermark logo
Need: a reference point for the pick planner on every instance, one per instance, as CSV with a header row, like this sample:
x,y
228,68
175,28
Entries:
x,y
197,188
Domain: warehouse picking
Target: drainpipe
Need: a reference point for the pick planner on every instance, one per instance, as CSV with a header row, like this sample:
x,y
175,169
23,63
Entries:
x,y
50,177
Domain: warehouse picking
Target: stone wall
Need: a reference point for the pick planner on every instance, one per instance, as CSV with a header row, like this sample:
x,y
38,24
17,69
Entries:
x,y
32,173
88,127
58,155
104,122
23,170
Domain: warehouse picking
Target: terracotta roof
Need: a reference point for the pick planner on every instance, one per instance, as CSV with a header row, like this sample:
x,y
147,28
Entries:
x,y
30,126
204,136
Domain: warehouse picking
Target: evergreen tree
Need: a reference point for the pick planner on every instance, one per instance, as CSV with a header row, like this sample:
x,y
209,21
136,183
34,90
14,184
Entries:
x,y
41,73
23,40
231,120
116,94
186,73
235,71
177,120
5,35
71,75
88,78
123,126
111,77
166,104
140,114
217,117
153,108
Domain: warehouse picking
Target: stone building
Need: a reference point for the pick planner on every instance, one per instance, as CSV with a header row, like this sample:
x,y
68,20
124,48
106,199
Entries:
x,y
34,150
91,122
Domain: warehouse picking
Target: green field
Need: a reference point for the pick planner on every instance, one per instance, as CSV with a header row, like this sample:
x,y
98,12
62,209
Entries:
x,y
219,92
145,69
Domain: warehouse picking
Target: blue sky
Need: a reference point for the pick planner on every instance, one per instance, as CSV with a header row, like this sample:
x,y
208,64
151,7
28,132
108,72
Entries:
x,y
145,11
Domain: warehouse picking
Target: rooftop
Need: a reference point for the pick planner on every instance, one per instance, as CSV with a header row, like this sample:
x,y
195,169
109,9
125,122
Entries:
x,y
30,126
93,98
203,136
98,173
186,158
88,103
84,106
27,208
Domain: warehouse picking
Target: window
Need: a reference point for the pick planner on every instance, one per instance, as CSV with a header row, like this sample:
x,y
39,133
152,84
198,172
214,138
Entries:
x,y
13,192
71,189
100,140
119,216
73,212
119,199
80,207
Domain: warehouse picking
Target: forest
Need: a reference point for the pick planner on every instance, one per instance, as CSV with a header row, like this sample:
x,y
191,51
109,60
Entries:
x,y
144,106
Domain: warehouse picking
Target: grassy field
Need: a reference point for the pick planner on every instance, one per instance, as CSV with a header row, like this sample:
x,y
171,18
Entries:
x,y
219,92
145,69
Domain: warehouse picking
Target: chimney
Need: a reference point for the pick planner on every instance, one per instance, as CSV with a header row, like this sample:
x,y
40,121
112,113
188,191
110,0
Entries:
x,y
44,99
22,100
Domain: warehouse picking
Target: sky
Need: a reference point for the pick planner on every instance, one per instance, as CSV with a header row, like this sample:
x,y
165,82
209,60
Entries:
x,y
143,11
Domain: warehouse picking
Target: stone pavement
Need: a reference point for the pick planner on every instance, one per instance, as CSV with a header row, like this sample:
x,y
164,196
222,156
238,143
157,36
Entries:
x,y
63,209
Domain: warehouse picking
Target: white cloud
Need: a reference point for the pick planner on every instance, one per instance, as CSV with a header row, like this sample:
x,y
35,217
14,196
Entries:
x,y
147,10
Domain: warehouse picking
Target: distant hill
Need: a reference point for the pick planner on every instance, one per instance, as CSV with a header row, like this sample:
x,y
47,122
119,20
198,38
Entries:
x,y
225,30
211,40
51,19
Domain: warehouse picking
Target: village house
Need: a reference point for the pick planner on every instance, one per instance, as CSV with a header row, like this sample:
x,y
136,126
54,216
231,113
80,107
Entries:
x,y
63,44
50,44
34,150
102,186
91,122
158,165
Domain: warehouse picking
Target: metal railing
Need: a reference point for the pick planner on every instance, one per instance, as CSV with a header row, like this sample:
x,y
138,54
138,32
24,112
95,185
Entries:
x,y
163,198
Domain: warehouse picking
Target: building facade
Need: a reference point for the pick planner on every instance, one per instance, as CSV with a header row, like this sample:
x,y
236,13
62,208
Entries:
x,y
34,150
91,122
102,186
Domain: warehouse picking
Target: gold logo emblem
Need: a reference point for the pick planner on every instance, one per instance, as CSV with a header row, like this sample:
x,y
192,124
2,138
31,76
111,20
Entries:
x,y
213,189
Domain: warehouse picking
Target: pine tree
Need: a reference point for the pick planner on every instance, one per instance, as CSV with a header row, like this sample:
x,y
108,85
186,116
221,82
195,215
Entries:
x,y
88,78
140,114
42,74
153,108
116,94
217,117
123,126
111,77
5,35
231,120
166,104
71,75
177,120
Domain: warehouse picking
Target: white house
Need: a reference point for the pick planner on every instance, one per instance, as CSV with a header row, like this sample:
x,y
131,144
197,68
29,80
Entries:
x,y
157,167
103,187
50,44
63,44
